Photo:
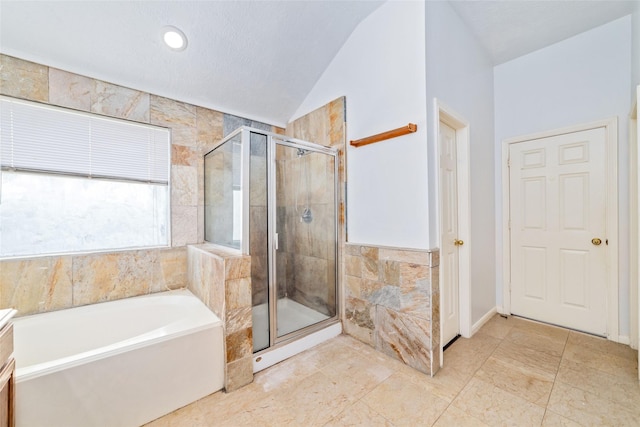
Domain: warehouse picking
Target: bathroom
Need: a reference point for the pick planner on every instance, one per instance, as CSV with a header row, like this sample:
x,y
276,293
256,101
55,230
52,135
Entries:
x,y
385,295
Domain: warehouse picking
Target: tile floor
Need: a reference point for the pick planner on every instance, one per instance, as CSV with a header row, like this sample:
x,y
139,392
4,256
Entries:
x,y
511,373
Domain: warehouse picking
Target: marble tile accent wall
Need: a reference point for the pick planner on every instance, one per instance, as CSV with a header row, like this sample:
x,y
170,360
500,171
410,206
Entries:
x,y
393,303
117,101
231,123
52,283
221,277
324,126
44,284
23,79
308,254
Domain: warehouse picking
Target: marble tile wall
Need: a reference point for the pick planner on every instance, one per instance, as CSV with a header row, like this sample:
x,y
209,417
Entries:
x,y
308,256
44,284
209,266
232,123
51,283
325,126
392,303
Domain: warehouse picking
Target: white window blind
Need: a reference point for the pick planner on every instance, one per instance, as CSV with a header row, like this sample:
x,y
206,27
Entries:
x,y
41,138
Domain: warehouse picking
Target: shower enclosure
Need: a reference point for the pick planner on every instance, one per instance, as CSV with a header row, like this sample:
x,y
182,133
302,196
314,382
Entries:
x,y
275,199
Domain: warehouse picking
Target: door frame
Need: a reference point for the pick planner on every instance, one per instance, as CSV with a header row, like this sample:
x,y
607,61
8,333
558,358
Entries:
x,y
634,223
272,184
611,143
461,126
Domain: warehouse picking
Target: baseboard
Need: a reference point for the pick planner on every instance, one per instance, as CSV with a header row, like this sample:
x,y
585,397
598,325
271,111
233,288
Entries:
x,y
500,309
484,319
623,339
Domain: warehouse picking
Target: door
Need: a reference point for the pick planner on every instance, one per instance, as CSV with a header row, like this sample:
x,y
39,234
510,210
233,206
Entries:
x,y
305,244
449,257
634,228
558,249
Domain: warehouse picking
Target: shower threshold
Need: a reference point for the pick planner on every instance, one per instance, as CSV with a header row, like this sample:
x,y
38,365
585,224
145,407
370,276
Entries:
x,y
292,316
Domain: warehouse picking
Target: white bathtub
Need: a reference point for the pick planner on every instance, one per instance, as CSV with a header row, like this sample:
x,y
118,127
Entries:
x,y
120,363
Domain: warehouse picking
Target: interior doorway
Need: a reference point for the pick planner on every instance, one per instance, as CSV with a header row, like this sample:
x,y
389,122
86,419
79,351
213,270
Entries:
x,y
454,224
634,225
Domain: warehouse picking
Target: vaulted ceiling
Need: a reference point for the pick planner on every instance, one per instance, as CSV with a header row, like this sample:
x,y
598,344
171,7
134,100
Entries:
x,y
509,29
258,59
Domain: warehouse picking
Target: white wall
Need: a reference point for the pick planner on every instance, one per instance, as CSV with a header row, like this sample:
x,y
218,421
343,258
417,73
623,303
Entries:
x,y
460,75
581,79
381,71
635,83
635,48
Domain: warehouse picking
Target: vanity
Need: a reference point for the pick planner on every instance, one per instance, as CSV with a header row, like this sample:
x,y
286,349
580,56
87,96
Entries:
x,y
7,417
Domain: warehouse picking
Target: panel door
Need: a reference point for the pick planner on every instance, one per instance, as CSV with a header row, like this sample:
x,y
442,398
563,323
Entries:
x,y
449,259
558,208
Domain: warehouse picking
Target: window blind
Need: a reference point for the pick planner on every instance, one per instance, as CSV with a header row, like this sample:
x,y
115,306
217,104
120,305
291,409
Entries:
x,y
41,138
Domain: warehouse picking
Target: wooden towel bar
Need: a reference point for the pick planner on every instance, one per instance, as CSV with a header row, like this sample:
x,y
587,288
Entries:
x,y
410,128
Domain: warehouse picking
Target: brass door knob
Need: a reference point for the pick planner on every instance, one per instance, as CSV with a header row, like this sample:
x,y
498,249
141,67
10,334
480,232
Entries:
x,y
458,242
596,241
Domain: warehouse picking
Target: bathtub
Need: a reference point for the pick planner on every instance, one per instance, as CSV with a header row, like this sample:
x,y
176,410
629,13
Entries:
x,y
120,363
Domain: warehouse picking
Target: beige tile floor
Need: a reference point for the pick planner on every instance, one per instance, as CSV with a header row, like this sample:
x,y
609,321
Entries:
x,y
511,373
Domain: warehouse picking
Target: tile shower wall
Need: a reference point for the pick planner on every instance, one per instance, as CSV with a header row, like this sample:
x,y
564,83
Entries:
x,y
309,248
392,303
56,282
306,255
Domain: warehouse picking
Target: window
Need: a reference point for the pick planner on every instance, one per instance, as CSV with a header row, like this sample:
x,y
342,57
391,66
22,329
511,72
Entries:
x,y
76,182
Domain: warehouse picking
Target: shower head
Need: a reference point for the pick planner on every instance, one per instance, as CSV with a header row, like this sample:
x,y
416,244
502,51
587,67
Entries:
x,y
306,216
302,152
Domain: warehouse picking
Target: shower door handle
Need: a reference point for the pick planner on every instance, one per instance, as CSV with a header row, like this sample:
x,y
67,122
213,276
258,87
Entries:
x,y
275,237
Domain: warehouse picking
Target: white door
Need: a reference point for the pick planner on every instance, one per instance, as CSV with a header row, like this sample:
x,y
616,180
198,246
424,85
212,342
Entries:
x,y
634,199
449,260
558,223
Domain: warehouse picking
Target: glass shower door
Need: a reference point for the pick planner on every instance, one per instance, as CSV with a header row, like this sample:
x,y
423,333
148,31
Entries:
x,y
258,241
275,199
305,237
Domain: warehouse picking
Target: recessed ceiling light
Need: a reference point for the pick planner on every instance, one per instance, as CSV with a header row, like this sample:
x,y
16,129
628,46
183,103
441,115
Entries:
x,y
174,38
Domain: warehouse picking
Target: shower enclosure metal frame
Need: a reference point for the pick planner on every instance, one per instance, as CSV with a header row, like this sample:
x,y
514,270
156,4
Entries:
x,y
273,140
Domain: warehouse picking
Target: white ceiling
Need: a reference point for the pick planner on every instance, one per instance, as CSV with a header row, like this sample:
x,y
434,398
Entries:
x,y
258,59
509,29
